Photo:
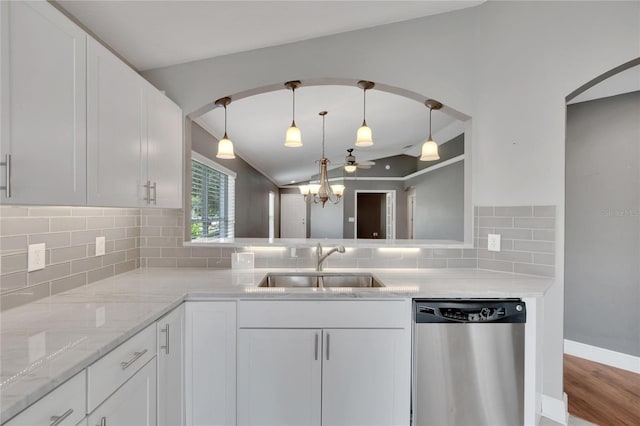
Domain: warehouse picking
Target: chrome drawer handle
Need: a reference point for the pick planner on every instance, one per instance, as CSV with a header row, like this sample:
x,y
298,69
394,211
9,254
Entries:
x,y
166,345
136,356
59,419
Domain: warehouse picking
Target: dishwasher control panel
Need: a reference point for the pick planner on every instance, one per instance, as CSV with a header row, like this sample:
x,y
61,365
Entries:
x,y
470,311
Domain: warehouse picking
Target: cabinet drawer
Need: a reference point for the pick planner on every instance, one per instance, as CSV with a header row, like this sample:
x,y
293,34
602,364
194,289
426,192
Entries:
x,y
65,404
324,314
113,369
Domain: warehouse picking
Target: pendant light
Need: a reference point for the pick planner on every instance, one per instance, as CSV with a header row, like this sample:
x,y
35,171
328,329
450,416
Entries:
x,y
225,146
293,138
363,136
430,147
323,192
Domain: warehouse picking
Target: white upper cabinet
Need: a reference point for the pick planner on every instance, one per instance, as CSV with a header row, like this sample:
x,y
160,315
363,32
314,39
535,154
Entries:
x,y
164,150
134,143
116,130
43,106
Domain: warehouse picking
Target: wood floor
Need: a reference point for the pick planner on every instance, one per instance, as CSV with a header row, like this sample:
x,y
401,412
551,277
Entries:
x,y
601,394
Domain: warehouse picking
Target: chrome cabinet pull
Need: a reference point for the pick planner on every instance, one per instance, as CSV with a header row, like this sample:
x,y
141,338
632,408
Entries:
x,y
328,347
154,187
147,192
7,164
59,419
103,421
136,355
316,349
166,345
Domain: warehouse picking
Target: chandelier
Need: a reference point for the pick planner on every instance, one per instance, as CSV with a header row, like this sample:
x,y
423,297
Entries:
x,y
322,192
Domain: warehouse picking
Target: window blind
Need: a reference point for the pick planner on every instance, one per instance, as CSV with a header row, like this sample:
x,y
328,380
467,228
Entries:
x,y
212,202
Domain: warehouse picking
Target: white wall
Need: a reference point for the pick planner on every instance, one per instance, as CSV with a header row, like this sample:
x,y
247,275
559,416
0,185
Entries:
x,y
507,64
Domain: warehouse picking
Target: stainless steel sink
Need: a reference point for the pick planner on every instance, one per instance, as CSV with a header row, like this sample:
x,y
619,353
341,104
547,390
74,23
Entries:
x,y
319,279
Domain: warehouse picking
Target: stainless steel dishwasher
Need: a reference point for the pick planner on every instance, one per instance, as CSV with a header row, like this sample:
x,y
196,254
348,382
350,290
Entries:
x,y
468,362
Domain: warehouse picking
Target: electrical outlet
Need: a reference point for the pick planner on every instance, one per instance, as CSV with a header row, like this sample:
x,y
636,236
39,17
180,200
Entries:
x,y
100,246
36,257
494,242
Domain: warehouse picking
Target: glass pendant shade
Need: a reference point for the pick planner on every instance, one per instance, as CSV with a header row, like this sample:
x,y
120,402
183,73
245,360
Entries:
x,y
225,148
338,190
364,137
293,138
429,151
304,189
314,188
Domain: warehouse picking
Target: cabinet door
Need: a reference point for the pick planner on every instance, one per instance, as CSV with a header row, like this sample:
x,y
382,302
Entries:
x,y
134,403
366,377
114,130
170,368
43,105
279,374
210,360
164,149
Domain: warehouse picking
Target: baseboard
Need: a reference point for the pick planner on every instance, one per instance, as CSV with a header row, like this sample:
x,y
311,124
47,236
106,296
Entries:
x,y
603,356
556,409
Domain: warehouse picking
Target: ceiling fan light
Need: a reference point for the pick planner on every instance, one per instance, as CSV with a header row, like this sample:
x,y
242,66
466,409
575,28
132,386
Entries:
x,y
225,149
293,138
364,136
429,151
350,168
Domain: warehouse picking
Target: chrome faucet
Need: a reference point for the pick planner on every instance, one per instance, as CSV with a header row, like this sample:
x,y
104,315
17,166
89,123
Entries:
x,y
322,257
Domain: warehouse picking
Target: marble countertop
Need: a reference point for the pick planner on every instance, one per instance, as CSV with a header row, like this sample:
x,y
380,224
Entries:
x,y
46,342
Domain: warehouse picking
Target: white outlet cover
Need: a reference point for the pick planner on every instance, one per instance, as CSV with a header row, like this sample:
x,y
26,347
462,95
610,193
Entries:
x,y
494,242
36,257
100,246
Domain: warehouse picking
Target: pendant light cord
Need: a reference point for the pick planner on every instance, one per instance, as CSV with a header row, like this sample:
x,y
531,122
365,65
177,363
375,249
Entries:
x,y
364,107
225,122
293,93
430,110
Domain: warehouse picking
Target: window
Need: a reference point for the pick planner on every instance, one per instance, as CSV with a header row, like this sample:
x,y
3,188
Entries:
x,y
212,199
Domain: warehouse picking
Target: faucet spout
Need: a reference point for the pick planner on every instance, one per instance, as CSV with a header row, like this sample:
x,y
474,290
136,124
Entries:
x,y
322,257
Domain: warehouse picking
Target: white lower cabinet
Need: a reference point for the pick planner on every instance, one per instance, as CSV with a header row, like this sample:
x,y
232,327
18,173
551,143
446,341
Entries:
x,y
64,405
365,377
171,368
134,403
327,375
279,377
210,360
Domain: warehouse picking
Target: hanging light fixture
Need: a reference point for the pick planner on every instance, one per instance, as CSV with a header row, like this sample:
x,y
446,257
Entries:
x,y
225,146
293,138
430,147
323,192
363,136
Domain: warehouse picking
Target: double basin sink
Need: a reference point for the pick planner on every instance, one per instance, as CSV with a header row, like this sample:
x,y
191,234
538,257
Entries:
x,y
319,280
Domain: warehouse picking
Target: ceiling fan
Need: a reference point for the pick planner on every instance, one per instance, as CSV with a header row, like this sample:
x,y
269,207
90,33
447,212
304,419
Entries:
x,y
350,164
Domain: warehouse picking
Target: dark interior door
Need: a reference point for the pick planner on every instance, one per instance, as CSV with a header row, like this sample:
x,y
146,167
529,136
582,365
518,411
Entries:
x,y
371,215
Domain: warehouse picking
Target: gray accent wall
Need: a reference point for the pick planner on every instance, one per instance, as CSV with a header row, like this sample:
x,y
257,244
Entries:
x,y
439,203
602,223
252,188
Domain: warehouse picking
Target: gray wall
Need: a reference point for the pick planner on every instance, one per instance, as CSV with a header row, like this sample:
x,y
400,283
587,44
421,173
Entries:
x,y
439,203
252,188
326,222
602,255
